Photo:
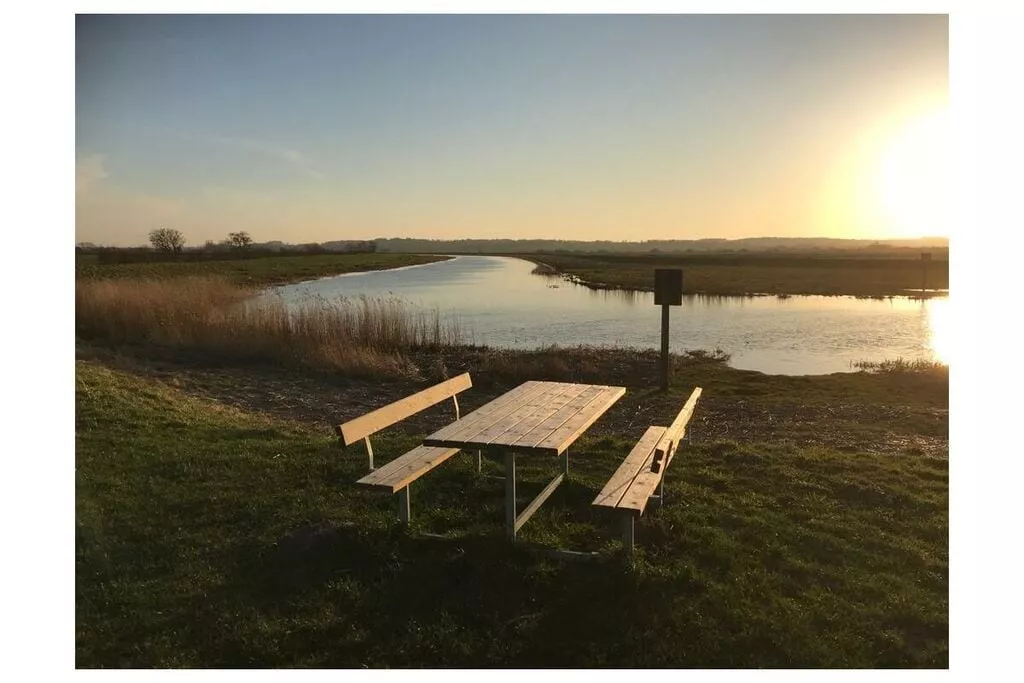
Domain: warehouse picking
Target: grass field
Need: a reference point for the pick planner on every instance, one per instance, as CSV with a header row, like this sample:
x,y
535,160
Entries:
x,y
805,526
254,272
744,274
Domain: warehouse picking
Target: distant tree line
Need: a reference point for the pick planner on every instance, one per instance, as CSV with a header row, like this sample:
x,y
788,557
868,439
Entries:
x,y
167,244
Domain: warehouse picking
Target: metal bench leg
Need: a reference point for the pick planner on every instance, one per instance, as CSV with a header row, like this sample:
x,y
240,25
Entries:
x,y
403,505
627,533
510,494
479,462
369,452
567,462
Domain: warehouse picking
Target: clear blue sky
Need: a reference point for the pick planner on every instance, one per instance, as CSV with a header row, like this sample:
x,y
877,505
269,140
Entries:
x,y
312,128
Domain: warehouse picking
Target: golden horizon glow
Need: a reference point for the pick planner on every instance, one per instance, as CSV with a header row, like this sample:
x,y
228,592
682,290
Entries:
x,y
912,180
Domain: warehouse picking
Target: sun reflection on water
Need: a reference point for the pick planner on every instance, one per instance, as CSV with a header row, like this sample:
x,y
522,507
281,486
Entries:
x,y
939,329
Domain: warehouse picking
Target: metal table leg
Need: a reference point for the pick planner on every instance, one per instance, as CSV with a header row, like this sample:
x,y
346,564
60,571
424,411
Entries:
x,y
510,494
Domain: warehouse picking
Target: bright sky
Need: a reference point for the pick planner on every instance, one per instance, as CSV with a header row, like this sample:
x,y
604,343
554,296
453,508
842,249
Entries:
x,y
304,129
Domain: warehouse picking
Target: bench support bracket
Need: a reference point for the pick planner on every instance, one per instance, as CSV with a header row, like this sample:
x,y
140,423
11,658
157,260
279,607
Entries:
x,y
659,498
627,532
404,507
369,452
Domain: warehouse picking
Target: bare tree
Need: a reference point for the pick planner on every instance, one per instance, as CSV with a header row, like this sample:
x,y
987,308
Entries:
x,y
167,239
239,239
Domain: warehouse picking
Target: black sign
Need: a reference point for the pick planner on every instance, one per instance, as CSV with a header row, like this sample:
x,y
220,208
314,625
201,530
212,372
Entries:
x,y
668,287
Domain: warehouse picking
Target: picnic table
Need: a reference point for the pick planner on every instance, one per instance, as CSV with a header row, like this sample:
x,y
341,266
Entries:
x,y
536,419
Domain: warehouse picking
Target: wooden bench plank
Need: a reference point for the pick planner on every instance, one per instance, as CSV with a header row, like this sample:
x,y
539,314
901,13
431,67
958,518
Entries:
x,y
640,490
489,414
638,459
576,424
365,425
408,467
675,432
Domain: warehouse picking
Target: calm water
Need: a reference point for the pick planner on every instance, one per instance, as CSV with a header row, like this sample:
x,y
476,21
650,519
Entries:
x,y
499,303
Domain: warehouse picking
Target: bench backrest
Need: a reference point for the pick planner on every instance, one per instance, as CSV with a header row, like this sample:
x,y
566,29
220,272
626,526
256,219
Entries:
x,y
365,425
666,447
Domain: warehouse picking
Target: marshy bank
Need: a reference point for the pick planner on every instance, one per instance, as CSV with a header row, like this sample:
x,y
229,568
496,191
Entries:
x,y
362,350
825,273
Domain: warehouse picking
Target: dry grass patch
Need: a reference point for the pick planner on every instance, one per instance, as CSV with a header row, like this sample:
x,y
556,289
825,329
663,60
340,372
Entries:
x,y
212,315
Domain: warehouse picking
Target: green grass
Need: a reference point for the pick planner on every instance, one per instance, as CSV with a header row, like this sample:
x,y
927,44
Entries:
x,y
257,271
744,274
211,537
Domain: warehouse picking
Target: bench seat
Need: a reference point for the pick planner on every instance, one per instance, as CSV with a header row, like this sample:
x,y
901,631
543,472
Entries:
x,y
634,483
408,467
397,475
630,487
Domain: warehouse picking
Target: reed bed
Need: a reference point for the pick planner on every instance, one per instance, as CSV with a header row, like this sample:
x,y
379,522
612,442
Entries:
x,y
902,366
364,336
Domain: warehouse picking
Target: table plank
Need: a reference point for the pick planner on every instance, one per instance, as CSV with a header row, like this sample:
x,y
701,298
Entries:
x,y
558,418
560,439
486,415
496,423
530,415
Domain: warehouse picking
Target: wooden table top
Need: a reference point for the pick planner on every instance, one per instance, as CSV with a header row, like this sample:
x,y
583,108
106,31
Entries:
x,y
535,417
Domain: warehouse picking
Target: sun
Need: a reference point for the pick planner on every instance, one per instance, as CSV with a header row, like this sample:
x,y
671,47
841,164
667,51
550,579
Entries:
x,y
913,178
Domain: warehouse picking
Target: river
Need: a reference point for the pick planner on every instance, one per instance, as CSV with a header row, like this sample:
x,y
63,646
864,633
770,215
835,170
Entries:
x,y
498,302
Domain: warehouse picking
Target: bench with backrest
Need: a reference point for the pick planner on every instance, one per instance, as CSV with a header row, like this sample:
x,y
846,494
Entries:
x,y
643,471
398,474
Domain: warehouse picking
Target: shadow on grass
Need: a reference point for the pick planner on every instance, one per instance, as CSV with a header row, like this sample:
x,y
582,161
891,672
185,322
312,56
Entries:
x,y
406,601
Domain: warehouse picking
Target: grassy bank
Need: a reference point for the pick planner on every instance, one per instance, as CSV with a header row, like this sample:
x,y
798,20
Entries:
x,y
739,274
211,536
253,272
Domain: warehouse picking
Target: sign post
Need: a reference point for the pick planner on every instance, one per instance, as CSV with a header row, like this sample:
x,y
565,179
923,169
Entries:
x,y
668,291
925,258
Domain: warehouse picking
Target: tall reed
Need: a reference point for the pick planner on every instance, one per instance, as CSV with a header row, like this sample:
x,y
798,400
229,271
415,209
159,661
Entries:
x,y
367,336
